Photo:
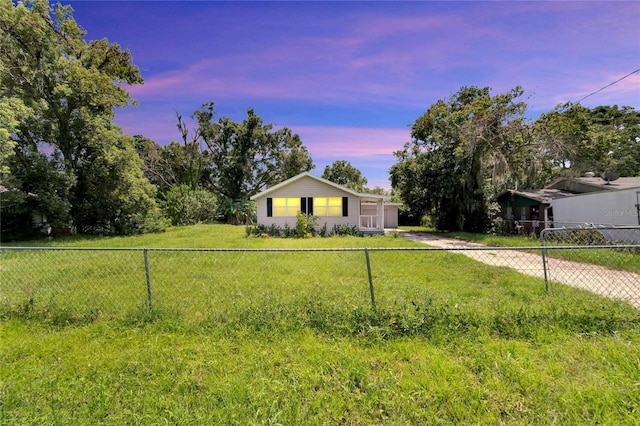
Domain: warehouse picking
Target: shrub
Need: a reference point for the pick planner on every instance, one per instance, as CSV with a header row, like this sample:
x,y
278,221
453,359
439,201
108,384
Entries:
x,y
305,228
304,225
346,230
237,212
151,222
186,206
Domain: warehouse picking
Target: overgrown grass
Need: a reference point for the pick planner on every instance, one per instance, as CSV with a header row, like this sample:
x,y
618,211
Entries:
x,y
291,338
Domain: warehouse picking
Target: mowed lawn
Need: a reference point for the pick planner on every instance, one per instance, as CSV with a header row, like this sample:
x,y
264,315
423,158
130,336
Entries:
x,y
291,337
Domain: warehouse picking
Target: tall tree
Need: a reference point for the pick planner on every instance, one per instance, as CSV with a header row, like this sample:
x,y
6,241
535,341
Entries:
x,y
192,169
12,110
293,155
577,139
156,166
458,147
248,156
565,134
343,173
71,88
620,128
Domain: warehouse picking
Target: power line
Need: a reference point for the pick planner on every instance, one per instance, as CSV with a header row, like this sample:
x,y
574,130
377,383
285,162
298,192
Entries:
x,y
608,85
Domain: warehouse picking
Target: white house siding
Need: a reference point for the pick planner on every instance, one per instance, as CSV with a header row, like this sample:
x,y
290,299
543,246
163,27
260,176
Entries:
x,y
391,215
600,208
309,187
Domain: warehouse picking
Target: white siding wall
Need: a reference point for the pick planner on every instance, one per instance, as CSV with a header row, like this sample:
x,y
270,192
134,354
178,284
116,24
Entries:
x,y
309,187
390,216
607,208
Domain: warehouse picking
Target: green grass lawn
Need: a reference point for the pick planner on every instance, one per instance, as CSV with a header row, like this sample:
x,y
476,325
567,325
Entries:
x,y
291,338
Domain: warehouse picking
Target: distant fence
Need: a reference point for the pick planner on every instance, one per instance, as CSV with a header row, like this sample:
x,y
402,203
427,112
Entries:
x,y
96,282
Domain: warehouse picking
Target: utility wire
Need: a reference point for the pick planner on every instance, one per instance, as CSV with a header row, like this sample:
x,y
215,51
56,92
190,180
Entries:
x,y
608,85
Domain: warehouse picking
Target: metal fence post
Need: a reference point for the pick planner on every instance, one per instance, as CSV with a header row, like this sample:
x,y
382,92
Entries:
x,y
544,260
146,269
373,299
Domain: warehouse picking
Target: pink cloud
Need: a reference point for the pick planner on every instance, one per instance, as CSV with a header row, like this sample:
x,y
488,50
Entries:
x,y
357,66
343,143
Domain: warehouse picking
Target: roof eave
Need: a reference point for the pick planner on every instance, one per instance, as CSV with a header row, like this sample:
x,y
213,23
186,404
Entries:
x,y
373,197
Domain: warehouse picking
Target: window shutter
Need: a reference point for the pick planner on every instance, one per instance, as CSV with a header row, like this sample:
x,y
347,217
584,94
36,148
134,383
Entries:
x,y
269,207
345,206
303,205
310,205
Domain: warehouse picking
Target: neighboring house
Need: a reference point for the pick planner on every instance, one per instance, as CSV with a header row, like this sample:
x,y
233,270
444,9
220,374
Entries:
x,y
618,208
597,201
530,210
330,203
573,202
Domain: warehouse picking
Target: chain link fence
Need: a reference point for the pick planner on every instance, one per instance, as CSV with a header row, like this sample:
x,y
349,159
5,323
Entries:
x,y
602,260
218,284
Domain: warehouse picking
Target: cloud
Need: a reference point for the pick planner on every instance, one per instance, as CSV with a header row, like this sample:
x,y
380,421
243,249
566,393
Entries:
x,y
341,143
368,149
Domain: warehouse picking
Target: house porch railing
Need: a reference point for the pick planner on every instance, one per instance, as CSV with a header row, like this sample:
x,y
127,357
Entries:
x,y
525,227
370,222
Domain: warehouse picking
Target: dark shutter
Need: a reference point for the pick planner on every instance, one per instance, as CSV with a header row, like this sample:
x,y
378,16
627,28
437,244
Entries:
x,y
303,205
310,205
269,207
345,206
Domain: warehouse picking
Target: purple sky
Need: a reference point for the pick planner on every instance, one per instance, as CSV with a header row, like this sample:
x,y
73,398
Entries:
x,y
351,77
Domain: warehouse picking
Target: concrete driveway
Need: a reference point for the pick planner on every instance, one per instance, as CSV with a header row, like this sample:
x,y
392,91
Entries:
x,y
603,281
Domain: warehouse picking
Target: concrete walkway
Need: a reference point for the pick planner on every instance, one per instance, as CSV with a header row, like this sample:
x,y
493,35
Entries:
x,y
603,281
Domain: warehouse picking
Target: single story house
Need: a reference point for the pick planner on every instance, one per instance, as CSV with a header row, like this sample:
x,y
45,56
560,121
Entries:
x,y
330,203
573,202
597,201
617,208
529,211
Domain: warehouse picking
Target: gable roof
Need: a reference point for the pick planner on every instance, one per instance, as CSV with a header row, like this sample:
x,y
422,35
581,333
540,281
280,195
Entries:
x,y
324,181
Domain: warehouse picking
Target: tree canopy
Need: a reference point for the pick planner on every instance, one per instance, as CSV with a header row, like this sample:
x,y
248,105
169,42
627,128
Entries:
x,y
232,160
66,90
455,146
247,157
468,148
343,173
577,139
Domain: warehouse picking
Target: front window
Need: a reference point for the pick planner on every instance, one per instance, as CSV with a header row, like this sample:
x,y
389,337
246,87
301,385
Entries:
x,y
327,206
286,206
